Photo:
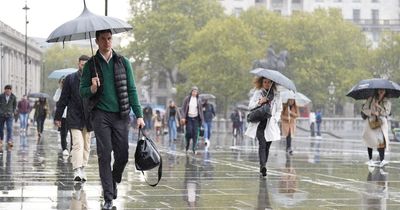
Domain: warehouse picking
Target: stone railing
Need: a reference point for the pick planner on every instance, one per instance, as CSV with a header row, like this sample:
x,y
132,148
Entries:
x,y
346,127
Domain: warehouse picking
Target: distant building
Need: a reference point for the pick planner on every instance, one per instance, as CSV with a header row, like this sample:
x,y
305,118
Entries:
x,y
12,61
373,16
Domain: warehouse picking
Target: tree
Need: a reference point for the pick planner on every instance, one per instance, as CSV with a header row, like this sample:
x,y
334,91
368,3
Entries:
x,y
220,60
59,57
162,29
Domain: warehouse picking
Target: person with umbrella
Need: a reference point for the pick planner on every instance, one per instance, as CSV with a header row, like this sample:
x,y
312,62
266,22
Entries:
x,y
108,81
63,127
377,107
376,110
267,130
289,115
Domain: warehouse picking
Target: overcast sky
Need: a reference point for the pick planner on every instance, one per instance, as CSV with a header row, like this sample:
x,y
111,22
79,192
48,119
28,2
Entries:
x,y
46,15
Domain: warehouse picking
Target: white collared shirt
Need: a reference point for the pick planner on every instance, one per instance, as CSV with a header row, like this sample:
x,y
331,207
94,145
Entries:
x,y
107,60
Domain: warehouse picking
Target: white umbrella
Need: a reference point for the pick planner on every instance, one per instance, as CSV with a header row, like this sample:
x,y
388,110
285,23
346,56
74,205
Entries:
x,y
301,99
57,74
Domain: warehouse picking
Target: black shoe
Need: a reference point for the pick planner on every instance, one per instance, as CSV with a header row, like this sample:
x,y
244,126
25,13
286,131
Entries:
x,y
108,205
115,190
263,171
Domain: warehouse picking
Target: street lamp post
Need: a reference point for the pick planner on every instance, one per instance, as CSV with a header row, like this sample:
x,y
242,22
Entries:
x,y
26,8
1,65
331,90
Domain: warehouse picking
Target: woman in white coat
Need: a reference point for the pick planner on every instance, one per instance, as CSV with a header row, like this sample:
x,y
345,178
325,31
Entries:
x,y
377,106
267,130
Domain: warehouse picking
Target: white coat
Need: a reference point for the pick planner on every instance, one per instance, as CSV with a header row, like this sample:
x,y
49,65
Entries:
x,y
272,131
370,136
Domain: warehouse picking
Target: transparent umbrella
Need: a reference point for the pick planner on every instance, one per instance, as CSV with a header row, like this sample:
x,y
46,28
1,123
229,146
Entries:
x,y
301,99
57,74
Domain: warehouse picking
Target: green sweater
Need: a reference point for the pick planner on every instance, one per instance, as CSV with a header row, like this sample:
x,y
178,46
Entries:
x,y
109,99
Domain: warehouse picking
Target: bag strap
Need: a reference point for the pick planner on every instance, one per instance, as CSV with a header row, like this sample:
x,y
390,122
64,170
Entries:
x,y
159,167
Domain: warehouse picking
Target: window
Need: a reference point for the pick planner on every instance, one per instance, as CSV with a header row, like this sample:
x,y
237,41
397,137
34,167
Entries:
x,y
237,11
356,15
375,16
356,1
277,1
296,1
375,1
162,80
319,0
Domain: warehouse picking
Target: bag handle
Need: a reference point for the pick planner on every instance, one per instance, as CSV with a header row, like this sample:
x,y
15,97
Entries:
x,y
159,167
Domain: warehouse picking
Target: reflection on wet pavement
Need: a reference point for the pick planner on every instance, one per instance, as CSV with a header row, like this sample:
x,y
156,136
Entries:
x,y
322,174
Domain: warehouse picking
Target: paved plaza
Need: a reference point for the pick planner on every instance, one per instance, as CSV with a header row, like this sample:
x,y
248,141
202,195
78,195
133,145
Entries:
x,y
323,173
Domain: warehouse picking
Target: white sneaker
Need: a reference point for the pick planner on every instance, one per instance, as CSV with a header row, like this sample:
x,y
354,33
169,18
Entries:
x,y
77,175
65,153
370,163
83,174
383,163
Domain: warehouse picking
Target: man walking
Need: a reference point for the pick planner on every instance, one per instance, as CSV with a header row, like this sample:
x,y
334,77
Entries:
x,y
8,104
77,120
23,110
209,114
108,82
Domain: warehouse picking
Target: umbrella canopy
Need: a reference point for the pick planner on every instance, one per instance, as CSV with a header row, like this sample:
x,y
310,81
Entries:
x,y
85,27
57,74
275,76
366,88
38,95
301,99
207,96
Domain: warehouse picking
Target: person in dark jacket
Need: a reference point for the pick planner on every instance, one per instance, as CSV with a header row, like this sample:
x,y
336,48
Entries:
x,y
148,116
41,111
209,114
8,104
24,108
78,120
192,117
109,83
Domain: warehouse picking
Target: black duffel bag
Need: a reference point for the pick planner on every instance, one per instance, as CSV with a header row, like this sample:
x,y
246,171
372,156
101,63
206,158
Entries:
x,y
147,156
259,113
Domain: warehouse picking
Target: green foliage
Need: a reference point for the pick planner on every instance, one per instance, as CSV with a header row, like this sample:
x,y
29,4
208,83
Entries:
x,y
162,29
59,57
220,60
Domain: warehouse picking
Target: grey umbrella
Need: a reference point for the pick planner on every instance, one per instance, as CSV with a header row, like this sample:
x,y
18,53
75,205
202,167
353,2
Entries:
x,y
275,76
85,26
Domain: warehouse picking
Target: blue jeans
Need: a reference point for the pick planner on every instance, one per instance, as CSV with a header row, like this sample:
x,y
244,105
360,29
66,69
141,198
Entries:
x,y
318,129
23,120
172,128
207,130
9,124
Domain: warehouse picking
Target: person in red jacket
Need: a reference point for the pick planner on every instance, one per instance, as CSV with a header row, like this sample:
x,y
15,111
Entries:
x,y
23,108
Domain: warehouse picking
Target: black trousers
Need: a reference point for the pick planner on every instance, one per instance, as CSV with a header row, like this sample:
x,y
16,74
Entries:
x,y
111,135
192,131
263,145
63,133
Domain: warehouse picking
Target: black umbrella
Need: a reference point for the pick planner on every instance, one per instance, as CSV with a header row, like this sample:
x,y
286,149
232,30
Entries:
x,y
38,95
367,88
275,76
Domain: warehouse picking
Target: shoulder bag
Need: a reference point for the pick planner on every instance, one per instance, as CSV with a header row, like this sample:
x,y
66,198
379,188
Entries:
x,y
374,122
259,113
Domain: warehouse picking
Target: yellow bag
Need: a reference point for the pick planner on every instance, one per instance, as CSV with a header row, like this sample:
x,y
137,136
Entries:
x,y
375,122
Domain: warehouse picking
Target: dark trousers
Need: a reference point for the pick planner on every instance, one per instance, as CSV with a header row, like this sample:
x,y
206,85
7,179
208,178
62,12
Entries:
x,y
8,121
111,135
40,123
312,129
381,153
263,145
288,141
63,133
192,131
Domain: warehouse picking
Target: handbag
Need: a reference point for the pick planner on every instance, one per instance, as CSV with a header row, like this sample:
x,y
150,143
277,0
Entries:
x,y
259,113
374,122
147,156
201,131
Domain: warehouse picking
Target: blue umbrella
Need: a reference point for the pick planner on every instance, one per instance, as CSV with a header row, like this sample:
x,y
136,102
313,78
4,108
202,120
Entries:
x,y
367,88
275,76
57,74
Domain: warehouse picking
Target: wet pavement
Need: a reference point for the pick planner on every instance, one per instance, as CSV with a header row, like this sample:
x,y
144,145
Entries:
x,y
322,174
